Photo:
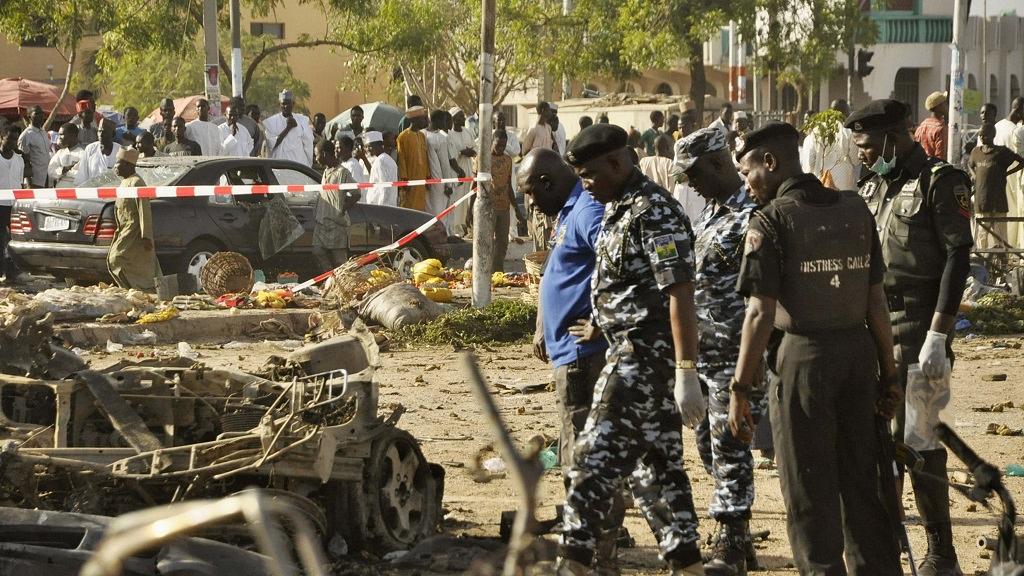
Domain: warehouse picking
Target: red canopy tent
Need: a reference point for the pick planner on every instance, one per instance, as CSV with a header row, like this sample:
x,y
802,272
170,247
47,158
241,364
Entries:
x,y
186,107
17,95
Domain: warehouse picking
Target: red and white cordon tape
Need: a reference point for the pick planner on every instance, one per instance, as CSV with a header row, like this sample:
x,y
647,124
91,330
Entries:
x,y
113,192
375,254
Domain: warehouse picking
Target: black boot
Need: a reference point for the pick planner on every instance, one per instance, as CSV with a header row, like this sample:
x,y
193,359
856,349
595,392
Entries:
x,y
728,555
941,557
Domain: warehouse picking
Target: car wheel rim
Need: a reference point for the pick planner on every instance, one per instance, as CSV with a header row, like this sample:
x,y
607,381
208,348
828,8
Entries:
x,y
195,265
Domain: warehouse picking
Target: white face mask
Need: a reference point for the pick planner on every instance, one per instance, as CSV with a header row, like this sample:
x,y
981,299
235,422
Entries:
x,y
883,167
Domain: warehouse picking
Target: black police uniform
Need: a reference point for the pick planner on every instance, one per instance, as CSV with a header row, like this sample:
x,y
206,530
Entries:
x,y
923,213
816,251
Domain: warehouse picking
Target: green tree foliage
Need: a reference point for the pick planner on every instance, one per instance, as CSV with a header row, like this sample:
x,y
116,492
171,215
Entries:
x,y
142,77
433,46
798,39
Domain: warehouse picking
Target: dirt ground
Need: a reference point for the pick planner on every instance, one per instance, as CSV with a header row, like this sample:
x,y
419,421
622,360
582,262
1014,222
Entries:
x,y
444,416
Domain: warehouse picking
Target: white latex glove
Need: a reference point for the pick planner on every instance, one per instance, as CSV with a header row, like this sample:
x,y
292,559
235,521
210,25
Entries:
x,y
933,355
689,398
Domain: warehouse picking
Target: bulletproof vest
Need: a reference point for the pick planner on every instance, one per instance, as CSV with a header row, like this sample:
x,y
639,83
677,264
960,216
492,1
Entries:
x,y
911,245
826,263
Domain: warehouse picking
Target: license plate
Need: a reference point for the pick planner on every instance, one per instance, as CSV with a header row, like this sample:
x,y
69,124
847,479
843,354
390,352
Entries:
x,y
55,224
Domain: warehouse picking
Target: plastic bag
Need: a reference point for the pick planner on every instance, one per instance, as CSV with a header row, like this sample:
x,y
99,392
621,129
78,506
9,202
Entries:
x,y
925,400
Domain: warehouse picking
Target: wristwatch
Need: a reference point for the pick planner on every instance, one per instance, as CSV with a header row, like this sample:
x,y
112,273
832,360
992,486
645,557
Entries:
x,y
735,386
686,364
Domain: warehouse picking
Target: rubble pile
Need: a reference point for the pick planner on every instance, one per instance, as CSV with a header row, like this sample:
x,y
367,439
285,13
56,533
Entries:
x,y
307,428
503,320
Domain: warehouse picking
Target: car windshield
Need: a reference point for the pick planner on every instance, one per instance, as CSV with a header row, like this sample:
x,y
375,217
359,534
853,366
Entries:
x,y
158,175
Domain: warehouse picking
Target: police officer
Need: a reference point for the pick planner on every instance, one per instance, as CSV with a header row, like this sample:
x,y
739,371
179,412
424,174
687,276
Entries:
x,y
812,267
703,160
565,334
923,213
642,294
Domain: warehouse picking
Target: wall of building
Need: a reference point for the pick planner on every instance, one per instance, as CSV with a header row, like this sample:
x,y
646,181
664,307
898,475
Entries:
x,y
323,67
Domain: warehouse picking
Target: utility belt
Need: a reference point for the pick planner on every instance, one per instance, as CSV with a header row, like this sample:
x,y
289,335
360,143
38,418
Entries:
x,y
918,299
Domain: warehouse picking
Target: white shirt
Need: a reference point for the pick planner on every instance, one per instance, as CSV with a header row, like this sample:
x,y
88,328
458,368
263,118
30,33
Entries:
x,y
60,159
839,159
512,147
559,136
238,144
658,169
383,169
719,124
693,203
297,145
34,143
355,167
457,142
94,162
12,172
1004,129
207,134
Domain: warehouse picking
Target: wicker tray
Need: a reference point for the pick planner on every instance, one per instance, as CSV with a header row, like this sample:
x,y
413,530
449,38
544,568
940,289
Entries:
x,y
534,262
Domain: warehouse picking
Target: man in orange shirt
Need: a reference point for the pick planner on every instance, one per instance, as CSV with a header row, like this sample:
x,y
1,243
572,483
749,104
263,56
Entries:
x,y
931,133
412,159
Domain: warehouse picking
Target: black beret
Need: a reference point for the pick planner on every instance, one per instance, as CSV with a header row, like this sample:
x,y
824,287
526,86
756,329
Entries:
x,y
770,131
878,115
593,141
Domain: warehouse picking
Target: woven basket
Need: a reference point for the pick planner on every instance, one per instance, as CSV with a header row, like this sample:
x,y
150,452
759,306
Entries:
x,y
226,273
534,262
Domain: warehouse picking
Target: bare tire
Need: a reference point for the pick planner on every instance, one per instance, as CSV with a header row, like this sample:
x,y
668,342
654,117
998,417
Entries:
x,y
402,501
195,256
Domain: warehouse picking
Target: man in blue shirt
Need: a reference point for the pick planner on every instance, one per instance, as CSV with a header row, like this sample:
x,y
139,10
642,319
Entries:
x,y
126,134
565,335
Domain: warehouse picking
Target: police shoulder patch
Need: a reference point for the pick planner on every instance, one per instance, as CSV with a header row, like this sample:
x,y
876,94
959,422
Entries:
x,y
664,248
963,198
753,242
868,190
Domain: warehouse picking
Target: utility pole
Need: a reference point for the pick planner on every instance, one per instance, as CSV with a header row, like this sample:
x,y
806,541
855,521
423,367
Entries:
x,y
733,63
236,49
211,73
566,81
984,51
483,209
954,150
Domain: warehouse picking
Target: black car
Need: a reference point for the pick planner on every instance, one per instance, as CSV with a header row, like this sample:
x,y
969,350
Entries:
x,y
71,238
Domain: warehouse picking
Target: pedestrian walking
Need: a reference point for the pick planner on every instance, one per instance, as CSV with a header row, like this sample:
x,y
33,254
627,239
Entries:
x,y
132,258
642,296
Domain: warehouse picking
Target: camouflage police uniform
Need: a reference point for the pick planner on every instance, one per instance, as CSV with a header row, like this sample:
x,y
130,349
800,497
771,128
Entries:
x,y
719,233
634,427
923,213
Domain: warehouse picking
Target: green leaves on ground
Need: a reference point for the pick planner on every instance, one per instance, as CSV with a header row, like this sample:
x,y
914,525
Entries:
x,y
500,321
997,313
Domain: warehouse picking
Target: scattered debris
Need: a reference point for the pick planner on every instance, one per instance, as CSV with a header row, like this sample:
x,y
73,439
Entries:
x,y
1003,430
158,432
999,377
89,302
398,306
994,408
163,315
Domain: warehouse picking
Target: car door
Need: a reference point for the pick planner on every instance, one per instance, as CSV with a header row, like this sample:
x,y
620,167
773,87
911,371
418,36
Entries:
x,y
238,217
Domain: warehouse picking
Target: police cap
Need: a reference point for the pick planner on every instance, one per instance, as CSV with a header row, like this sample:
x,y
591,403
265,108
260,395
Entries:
x,y
594,141
878,115
772,131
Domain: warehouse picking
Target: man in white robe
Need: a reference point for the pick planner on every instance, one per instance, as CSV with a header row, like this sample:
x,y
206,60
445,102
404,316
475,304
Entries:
x,y
205,132
289,135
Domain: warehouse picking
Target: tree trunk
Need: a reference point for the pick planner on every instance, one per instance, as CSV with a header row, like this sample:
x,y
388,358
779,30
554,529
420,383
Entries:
x,y
698,81
67,85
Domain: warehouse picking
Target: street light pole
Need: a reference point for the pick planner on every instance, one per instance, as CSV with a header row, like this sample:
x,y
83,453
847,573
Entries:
x,y
211,72
483,209
236,49
954,149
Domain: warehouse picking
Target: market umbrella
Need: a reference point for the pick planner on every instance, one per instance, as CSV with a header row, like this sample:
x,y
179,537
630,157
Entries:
x,y
17,95
378,116
186,107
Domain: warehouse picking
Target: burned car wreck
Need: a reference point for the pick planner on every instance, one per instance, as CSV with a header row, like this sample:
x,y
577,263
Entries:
x,y
306,429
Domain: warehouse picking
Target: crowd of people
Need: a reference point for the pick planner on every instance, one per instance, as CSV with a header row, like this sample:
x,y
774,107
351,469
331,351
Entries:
x,y
721,277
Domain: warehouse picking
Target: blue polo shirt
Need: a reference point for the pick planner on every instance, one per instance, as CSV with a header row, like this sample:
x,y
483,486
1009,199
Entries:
x,y
565,290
